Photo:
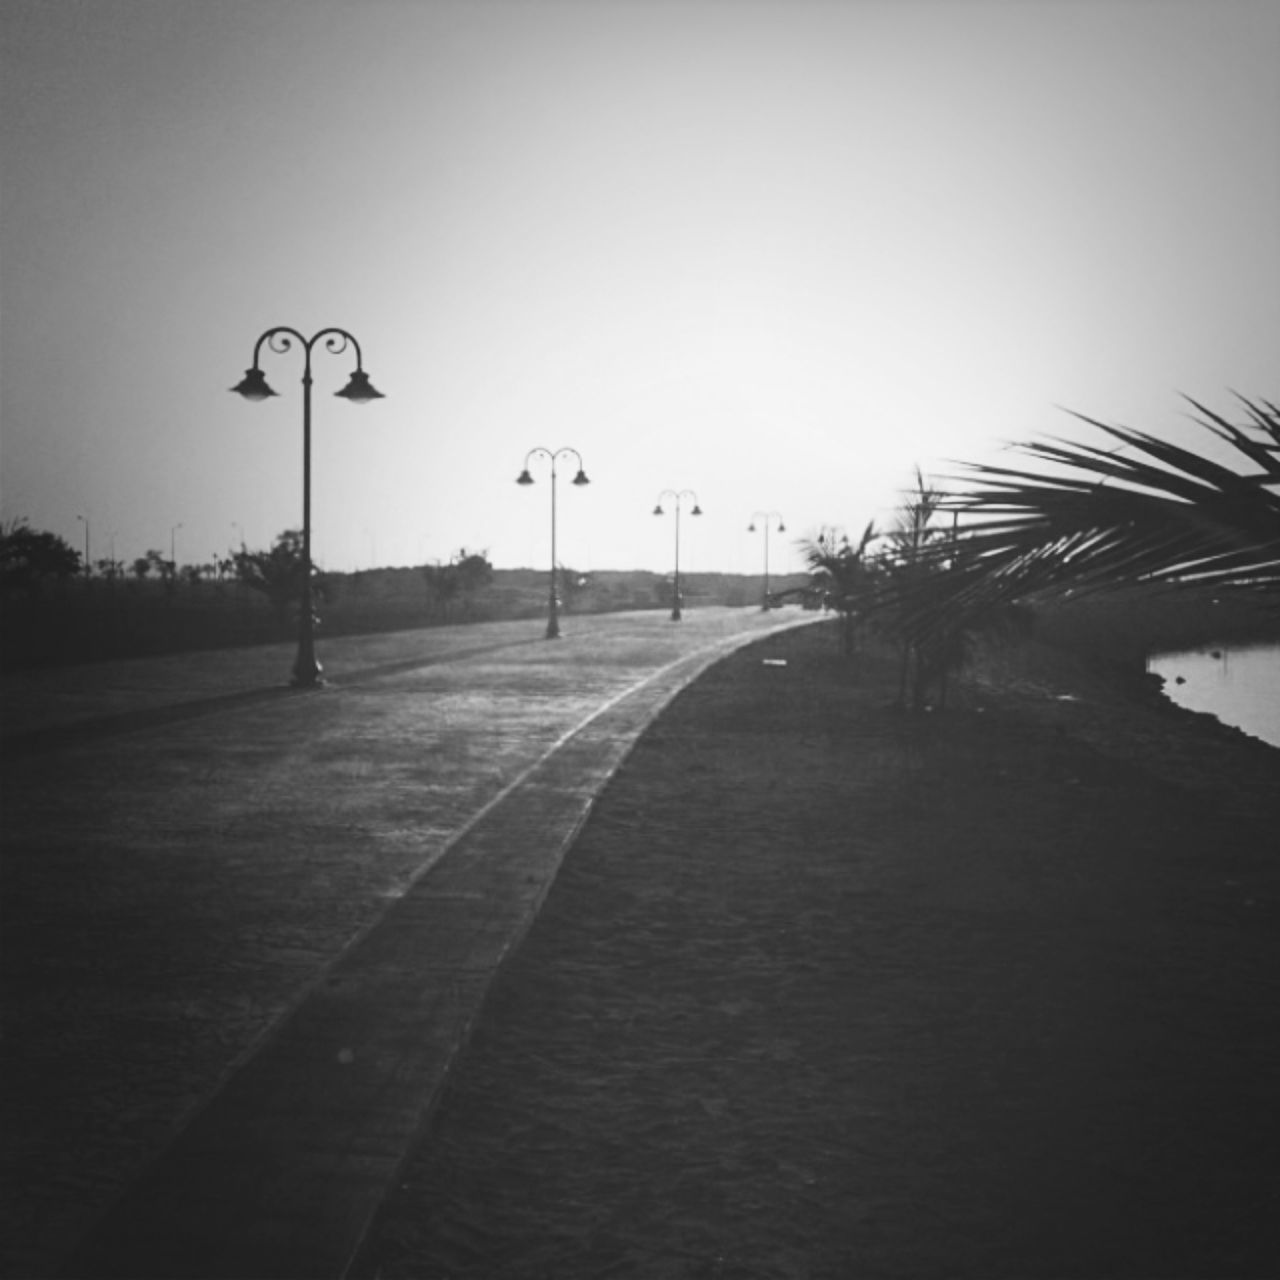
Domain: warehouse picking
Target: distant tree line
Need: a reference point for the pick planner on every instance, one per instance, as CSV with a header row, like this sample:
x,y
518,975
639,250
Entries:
x,y
53,611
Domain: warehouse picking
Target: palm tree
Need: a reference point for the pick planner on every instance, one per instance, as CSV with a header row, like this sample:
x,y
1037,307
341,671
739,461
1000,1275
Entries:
x,y
1144,513
889,587
920,602
846,571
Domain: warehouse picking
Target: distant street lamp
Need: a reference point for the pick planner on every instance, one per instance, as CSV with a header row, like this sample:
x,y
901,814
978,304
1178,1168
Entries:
x,y
553,604
253,386
658,511
173,546
88,569
766,517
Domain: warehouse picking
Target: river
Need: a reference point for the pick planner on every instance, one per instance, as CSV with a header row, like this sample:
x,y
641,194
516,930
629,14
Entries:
x,y
1240,684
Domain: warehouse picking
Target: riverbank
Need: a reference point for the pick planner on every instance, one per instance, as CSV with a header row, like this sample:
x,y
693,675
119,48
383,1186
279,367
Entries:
x,y
823,990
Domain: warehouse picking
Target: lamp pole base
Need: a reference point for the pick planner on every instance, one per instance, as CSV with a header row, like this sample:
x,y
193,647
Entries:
x,y
306,670
307,677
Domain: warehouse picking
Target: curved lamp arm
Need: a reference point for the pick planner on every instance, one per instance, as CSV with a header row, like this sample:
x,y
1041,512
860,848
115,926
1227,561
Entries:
x,y
551,455
281,338
766,516
676,497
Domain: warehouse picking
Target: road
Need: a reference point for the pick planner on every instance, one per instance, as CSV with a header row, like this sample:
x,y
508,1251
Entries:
x,y
190,848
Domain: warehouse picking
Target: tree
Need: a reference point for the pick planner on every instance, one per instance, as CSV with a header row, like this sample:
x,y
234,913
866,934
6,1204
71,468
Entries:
x,y
911,570
29,557
571,586
474,572
279,574
845,575
442,588
156,560
906,590
462,579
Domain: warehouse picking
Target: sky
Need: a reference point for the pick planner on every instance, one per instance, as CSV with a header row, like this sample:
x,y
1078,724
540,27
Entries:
x,y
778,253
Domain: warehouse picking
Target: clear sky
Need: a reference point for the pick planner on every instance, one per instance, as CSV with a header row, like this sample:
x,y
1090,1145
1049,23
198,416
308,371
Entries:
x,y
779,253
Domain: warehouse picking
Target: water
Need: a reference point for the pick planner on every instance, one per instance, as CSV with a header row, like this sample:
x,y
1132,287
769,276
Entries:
x,y
1240,684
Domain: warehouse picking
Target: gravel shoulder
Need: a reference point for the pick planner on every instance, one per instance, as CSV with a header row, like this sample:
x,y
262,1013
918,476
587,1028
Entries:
x,y
823,990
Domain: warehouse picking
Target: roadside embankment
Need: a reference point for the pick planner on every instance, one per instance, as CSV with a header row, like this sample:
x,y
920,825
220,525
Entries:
x,y
827,990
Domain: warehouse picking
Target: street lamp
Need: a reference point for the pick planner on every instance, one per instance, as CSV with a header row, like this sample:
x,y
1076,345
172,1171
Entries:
x,y
253,386
88,570
553,604
658,511
766,517
173,546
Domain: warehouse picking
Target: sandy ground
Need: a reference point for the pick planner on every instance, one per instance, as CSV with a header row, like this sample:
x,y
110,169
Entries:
x,y
824,990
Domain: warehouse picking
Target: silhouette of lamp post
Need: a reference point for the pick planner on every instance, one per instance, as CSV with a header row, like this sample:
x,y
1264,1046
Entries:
x,y
553,602
253,386
766,517
696,510
88,570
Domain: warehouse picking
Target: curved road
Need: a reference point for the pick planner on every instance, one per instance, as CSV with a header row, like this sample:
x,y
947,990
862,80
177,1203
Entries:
x,y
246,929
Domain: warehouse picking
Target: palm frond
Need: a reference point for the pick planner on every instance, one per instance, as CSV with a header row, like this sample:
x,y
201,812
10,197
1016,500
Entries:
x,y
1142,511
1166,515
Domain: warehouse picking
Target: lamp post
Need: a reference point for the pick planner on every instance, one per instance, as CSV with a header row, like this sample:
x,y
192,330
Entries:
x,y
253,386
553,603
767,517
173,546
88,564
695,511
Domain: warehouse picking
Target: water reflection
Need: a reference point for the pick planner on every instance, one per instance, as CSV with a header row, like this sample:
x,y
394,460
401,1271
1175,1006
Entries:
x,y
1238,684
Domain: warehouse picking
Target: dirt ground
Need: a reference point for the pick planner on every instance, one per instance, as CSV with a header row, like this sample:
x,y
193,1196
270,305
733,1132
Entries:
x,y
824,990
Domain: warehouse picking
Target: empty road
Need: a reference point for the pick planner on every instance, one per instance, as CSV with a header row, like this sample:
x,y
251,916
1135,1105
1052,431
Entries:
x,y
194,854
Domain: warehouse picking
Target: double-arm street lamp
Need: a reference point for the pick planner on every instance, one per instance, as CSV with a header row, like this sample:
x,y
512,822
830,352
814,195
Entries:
x,y
766,518
253,386
553,604
696,510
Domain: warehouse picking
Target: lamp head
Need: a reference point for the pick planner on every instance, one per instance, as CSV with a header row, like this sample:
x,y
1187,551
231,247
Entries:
x,y
524,477
657,511
697,510
581,477
782,528
751,528
253,386
359,390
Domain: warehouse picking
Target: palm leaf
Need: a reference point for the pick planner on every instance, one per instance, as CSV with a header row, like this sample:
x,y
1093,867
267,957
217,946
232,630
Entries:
x,y
1144,511
1166,515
